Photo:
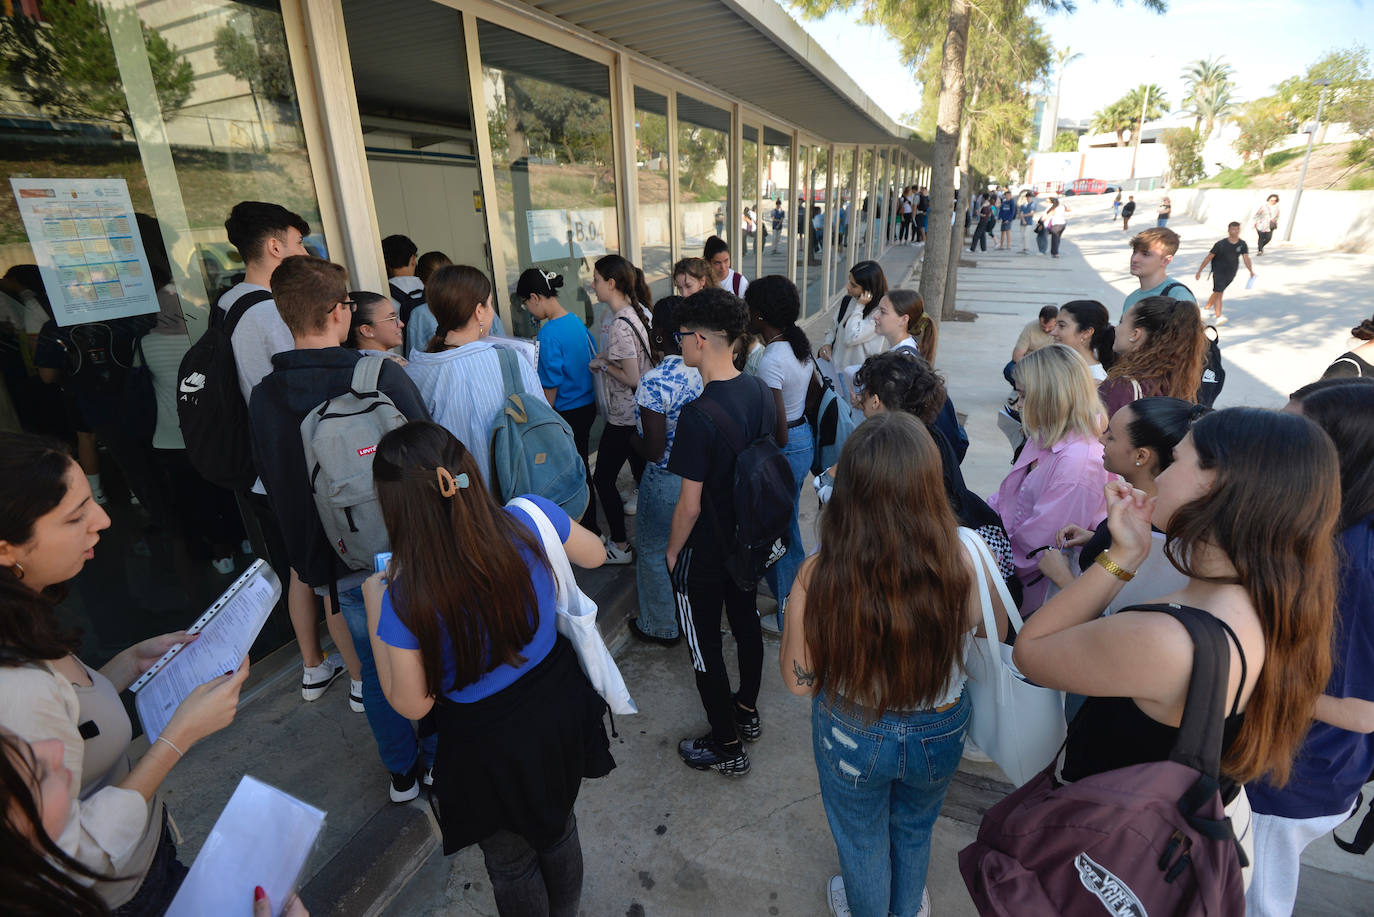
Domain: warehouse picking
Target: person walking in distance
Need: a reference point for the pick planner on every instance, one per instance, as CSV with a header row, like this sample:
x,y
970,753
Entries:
x,y
1055,224
1225,258
1006,212
1116,206
1266,221
1163,213
1127,212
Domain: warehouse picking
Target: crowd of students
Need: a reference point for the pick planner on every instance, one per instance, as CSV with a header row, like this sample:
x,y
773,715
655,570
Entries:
x,y
1123,491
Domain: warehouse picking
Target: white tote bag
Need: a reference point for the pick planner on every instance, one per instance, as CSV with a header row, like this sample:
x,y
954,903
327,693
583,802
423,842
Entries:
x,y
1020,725
576,618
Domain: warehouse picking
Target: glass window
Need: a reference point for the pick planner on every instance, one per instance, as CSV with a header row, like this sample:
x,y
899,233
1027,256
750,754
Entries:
x,y
703,173
866,205
846,218
549,116
820,224
129,132
651,167
750,230
781,214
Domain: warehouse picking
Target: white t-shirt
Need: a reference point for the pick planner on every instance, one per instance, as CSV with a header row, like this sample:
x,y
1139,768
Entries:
x,y
730,280
781,370
1098,371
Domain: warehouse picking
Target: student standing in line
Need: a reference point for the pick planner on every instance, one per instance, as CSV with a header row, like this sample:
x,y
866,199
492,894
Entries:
x,y
1006,212
717,254
905,234
376,326
853,336
922,214
1225,258
876,635
902,321
1160,350
692,274
430,262
407,290
1084,326
1359,360
779,218
628,355
774,308
662,394
462,626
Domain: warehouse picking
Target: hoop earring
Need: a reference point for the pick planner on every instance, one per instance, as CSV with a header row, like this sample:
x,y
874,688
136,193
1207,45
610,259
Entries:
x,y
18,569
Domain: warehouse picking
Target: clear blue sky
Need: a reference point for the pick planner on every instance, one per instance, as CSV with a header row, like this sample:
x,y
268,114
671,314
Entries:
x,y
1123,46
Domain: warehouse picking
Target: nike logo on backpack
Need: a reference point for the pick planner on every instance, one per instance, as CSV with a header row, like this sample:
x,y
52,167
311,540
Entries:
x,y
193,383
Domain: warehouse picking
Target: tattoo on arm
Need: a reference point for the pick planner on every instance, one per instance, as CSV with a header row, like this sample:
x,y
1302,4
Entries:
x,y
803,676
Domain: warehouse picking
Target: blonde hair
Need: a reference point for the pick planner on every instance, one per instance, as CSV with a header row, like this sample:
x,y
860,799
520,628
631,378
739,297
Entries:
x,y
1060,397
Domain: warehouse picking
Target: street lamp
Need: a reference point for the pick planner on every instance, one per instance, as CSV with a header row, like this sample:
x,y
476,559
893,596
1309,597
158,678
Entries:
x,y
1297,195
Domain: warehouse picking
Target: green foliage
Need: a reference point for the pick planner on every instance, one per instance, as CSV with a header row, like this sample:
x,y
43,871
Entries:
x,y
252,47
1263,123
1210,95
535,118
1274,160
1360,152
1232,178
1066,142
67,68
699,149
1185,155
1361,183
1349,73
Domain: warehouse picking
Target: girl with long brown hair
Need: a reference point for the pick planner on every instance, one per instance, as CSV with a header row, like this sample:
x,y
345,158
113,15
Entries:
x,y
1160,348
875,633
902,321
1249,509
462,624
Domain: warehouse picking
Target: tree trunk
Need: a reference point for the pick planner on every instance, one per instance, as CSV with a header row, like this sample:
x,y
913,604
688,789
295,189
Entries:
x,y
956,236
935,261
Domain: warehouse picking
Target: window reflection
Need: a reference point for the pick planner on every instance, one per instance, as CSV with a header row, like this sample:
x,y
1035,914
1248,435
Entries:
x,y
651,168
703,152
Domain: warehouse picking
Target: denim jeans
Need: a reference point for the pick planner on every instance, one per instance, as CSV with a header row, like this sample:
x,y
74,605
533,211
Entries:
x,y
395,736
781,574
882,785
658,493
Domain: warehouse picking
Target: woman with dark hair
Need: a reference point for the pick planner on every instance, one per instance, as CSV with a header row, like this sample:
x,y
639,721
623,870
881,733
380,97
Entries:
x,y
1055,224
902,321
117,825
462,625
626,356
1160,350
774,307
876,634
459,371
1337,754
662,394
428,263
376,326
853,336
1356,361
1249,507
1084,326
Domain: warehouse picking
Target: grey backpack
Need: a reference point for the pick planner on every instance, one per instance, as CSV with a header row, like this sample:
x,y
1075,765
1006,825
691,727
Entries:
x,y
340,438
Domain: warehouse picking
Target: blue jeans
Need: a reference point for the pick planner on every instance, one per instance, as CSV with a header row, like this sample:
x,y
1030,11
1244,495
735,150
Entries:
x,y
658,493
781,574
395,736
882,785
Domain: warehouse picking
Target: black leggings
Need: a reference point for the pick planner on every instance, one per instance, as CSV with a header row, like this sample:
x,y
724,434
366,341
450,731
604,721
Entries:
x,y
1264,237
611,454
1055,233
581,420
535,881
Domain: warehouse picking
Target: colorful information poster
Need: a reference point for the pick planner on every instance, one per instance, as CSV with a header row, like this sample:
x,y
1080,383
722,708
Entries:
x,y
86,243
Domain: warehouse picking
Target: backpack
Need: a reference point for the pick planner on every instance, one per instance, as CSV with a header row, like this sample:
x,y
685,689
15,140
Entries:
x,y
210,408
1149,838
1213,373
340,437
763,493
532,448
832,420
406,302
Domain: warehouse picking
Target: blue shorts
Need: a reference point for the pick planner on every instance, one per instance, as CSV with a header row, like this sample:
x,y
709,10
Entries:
x,y
1006,226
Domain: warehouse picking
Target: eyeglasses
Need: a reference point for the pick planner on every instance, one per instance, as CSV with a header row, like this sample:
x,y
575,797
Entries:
x,y
350,303
679,335
393,317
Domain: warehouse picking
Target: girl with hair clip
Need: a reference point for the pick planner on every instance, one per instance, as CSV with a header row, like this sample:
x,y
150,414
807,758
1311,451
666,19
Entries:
x,y
1160,350
876,633
459,371
115,823
774,308
376,325
1249,507
1057,478
1085,326
902,321
1337,753
565,349
662,394
462,625
1357,361
1137,445
853,336
627,356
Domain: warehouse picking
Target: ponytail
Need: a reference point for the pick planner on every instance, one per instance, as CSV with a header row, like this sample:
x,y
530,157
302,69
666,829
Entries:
x,y
926,338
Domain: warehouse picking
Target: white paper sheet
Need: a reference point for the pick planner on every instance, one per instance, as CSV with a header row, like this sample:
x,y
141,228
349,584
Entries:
x,y
263,837
226,630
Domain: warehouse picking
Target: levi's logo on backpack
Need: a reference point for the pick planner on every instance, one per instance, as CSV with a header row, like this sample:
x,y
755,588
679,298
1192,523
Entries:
x,y
532,447
340,438
763,494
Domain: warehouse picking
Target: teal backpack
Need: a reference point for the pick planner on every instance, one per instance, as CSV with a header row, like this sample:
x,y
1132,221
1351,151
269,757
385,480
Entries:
x,y
532,448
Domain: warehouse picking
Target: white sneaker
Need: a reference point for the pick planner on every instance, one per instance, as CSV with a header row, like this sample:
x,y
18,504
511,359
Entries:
x,y
925,910
223,564
1219,320
834,894
631,502
355,696
618,556
318,678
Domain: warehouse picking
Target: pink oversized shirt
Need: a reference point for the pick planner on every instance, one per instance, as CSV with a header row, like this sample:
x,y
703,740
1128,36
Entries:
x,y
1065,486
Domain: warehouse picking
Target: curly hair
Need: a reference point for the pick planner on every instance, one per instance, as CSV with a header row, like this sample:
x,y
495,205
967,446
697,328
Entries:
x,y
774,299
714,309
1174,348
903,381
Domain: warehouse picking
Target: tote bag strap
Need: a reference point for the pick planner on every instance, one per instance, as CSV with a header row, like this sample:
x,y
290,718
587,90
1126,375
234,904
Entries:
x,y
553,547
985,564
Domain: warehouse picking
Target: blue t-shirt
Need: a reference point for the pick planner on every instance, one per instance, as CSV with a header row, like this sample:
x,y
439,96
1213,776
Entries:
x,y
1333,763
394,633
1176,291
1007,210
565,349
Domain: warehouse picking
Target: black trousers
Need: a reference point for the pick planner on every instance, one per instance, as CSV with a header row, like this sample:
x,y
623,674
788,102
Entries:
x,y
700,592
533,881
1055,233
581,420
611,455
1264,238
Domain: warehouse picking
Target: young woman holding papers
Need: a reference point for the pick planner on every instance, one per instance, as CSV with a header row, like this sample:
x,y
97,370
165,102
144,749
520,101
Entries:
x,y
49,527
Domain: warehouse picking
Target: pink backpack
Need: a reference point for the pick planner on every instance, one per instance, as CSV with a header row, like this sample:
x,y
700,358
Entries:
x,y
1149,839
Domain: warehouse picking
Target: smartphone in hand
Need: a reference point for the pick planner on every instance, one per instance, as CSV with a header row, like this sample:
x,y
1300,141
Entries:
x,y
380,561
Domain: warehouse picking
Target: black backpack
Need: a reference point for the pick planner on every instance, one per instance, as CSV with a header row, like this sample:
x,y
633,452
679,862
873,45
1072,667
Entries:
x,y
210,408
1213,373
763,493
406,303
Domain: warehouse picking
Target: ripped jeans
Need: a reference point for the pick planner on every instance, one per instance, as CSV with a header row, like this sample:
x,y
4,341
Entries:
x,y
882,785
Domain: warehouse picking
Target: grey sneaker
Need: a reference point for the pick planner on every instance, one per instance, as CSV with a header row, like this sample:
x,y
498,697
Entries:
x,y
835,896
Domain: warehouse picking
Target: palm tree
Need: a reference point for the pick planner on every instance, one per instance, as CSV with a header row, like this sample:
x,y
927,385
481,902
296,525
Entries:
x,y
1116,118
1062,59
1210,95
1210,107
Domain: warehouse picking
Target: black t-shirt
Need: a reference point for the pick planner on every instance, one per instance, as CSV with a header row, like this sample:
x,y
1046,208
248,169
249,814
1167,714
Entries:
x,y
1226,256
701,454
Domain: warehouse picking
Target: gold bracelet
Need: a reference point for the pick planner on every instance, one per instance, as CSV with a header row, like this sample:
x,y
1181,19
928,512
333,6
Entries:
x,y
1106,563
170,745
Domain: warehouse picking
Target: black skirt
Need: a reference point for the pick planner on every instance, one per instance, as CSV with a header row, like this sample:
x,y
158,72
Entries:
x,y
515,760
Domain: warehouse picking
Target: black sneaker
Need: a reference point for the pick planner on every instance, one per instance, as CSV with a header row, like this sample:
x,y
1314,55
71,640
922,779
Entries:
x,y
405,787
748,724
703,754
